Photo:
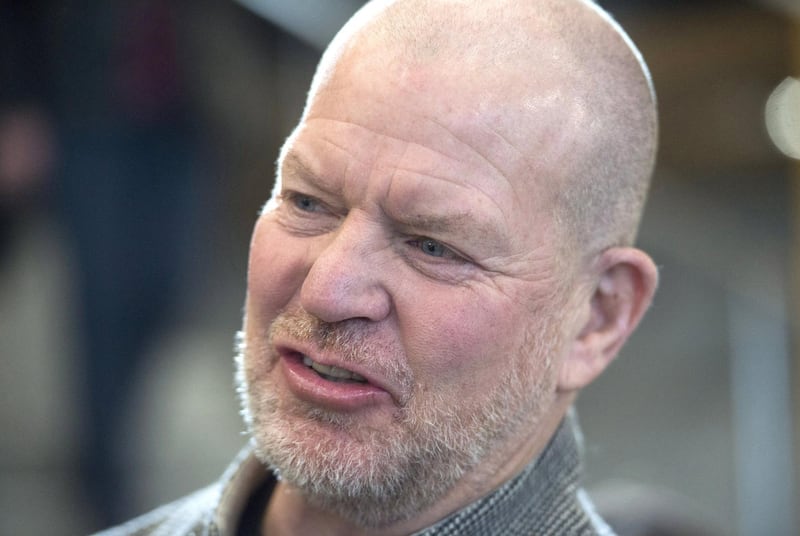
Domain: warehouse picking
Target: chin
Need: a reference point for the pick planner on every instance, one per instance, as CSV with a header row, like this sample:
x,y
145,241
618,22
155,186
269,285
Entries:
x,y
369,476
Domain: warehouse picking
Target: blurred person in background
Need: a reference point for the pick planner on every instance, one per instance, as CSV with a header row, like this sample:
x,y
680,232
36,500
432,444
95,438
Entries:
x,y
93,106
27,144
446,260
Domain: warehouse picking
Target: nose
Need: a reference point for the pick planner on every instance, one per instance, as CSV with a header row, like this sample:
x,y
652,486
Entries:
x,y
345,280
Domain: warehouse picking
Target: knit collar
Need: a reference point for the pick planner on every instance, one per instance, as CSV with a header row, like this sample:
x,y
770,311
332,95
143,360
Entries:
x,y
544,499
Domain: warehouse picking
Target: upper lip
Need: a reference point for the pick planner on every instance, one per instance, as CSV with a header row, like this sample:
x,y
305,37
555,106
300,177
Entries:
x,y
284,347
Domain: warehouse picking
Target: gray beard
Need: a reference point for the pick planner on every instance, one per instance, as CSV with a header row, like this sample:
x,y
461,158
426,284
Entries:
x,y
378,477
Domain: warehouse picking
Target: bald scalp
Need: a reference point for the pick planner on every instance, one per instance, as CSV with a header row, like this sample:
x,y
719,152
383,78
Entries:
x,y
518,47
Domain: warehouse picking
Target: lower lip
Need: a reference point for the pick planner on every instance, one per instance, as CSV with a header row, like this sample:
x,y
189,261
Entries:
x,y
307,385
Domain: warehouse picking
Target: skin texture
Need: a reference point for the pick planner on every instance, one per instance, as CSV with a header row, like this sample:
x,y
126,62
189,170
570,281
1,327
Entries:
x,y
419,236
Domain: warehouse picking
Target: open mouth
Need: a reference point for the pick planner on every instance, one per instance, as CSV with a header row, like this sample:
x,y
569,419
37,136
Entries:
x,y
331,373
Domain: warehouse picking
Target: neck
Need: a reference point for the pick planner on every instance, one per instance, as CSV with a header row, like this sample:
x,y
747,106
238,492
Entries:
x,y
290,513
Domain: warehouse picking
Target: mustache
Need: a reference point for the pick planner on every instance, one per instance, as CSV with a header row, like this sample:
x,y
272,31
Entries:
x,y
351,339
355,341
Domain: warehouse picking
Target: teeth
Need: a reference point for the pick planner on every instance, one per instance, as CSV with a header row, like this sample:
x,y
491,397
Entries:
x,y
332,373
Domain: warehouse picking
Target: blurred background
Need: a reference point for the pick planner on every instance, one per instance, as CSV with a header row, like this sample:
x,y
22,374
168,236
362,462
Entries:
x,y
137,143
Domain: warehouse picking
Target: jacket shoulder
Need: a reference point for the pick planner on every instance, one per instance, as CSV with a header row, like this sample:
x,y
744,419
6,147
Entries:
x,y
190,515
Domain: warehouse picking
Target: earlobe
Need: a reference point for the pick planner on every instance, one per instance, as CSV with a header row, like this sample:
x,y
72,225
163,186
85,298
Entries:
x,y
625,281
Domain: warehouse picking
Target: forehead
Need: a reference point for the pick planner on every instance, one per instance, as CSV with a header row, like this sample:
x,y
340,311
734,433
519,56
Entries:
x,y
424,120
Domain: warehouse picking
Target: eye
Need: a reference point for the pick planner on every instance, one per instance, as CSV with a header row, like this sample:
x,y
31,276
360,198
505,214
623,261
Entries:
x,y
432,247
305,214
436,260
303,202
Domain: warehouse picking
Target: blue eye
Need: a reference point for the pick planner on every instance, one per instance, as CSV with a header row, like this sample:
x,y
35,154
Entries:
x,y
432,247
304,203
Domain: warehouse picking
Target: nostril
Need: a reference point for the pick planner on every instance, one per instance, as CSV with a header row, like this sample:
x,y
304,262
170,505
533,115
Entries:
x,y
336,293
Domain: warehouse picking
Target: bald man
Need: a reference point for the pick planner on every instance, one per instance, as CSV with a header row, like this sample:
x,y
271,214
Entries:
x,y
446,260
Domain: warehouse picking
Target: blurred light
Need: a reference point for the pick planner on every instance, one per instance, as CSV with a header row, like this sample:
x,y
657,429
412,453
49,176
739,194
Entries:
x,y
782,115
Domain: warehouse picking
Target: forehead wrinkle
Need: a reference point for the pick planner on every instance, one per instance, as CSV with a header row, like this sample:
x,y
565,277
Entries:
x,y
439,128
342,148
407,145
477,124
424,176
335,182
484,157
460,139
463,223
491,134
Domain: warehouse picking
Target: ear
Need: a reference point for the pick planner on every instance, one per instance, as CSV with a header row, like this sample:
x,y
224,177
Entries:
x,y
624,281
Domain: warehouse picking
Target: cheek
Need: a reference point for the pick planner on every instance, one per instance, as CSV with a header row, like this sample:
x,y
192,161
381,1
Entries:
x,y
461,341
276,268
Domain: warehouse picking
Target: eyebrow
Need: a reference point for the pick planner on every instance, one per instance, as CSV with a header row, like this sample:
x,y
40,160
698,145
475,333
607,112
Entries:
x,y
293,162
435,223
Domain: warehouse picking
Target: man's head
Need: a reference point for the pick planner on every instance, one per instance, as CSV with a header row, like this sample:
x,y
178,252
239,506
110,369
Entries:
x,y
445,260
567,63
